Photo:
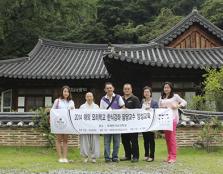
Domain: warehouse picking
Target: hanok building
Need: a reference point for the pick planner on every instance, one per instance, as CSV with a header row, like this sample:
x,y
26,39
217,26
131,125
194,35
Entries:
x,y
180,55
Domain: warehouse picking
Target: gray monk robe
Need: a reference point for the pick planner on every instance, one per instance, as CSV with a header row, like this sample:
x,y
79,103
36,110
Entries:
x,y
89,143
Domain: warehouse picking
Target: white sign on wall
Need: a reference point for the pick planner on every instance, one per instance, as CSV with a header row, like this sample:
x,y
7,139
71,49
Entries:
x,y
21,101
48,101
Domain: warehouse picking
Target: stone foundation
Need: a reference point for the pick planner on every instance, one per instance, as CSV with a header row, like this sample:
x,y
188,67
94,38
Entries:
x,y
28,136
187,136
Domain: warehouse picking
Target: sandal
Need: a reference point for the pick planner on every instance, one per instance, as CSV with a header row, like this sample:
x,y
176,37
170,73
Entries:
x,y
171,161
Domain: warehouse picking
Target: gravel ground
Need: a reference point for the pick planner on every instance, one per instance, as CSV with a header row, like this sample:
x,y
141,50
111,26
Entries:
x,y
63,171
164,169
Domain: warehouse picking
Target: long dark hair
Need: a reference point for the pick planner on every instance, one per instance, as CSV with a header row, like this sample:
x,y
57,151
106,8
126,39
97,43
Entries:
x,y
163,95
61,93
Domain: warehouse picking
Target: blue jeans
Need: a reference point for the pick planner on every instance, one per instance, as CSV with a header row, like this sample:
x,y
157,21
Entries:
x,y
107,144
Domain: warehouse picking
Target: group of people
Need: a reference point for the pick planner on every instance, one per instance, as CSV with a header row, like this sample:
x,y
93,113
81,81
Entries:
x,y
89,144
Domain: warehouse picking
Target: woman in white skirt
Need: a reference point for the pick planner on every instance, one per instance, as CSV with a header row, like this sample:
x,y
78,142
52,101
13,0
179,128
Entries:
x,y
63,102
89,143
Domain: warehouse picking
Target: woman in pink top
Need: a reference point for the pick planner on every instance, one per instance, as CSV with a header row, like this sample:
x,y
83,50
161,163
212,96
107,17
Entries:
x,y
170,100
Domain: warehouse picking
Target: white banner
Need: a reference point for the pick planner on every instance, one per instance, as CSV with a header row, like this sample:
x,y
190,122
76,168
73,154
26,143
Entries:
x,y
98,121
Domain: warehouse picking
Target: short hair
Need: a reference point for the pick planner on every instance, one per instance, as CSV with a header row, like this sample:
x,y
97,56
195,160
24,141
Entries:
x,y
108,83
149,88
89,93
61,93
127,84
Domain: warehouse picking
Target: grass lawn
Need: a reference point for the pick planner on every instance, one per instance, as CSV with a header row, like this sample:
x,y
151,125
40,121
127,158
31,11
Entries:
x,y
44,159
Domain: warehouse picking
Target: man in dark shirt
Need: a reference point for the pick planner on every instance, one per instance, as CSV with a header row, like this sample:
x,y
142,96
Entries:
x,y
130,140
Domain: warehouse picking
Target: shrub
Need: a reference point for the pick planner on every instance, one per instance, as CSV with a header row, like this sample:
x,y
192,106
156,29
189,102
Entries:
x,y
42,122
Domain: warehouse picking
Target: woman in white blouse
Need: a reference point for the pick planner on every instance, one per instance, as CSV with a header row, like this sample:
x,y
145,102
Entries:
x,y
170,100
63,102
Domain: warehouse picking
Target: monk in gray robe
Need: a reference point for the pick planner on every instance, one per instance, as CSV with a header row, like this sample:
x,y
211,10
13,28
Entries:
x,y
89,143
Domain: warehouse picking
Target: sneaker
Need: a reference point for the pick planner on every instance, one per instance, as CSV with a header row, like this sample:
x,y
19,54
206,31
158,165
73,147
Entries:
x,y
116,160
107,160
60,160
65,160
135,160
146,158
150,160
93,160
86,160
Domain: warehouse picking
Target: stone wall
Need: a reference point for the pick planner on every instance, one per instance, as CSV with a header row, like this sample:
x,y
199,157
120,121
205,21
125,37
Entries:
x,y
187,136
28,136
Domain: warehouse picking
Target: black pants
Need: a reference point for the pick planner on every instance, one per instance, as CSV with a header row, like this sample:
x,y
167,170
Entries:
x,y
131,146
149,144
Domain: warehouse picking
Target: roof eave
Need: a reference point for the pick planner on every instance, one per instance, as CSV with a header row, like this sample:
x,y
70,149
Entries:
x,y
189,20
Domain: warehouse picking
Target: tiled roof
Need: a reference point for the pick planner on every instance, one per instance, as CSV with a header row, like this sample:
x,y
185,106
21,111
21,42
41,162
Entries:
x,y
58,60
16,119
197,118
157,55
64,60
179,28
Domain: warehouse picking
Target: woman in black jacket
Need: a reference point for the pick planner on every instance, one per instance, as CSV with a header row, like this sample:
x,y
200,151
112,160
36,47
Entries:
x,y
148,137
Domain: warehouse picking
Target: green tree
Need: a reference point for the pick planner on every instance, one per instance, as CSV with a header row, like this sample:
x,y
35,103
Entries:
x,y
212,92
24,21
214,87
89,32
121,18
125,33
163,22
213,10
180,7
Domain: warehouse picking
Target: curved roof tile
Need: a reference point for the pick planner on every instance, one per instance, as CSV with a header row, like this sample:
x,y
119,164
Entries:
x,y
157,55
58,60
